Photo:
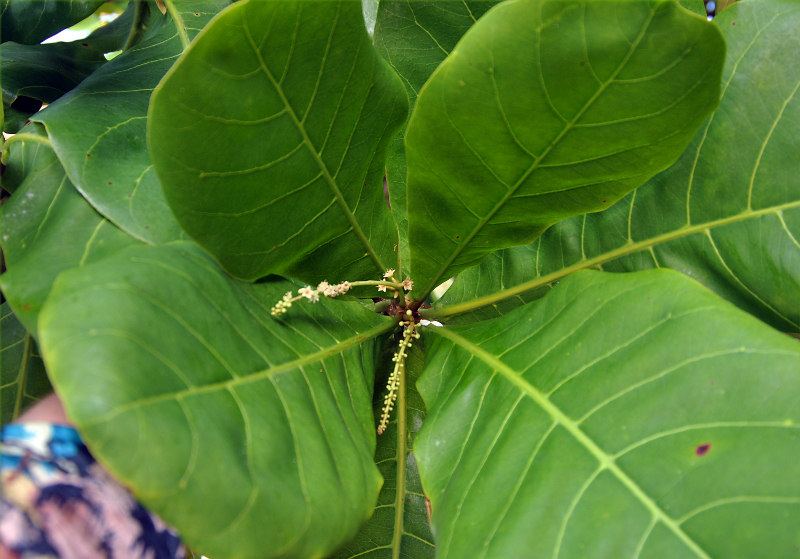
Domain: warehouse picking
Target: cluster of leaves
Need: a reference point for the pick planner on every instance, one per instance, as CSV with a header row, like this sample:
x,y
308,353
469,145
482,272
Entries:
x,y
613,186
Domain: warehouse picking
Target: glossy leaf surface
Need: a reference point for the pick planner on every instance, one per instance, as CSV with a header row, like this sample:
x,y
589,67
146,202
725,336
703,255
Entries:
x,y
728,212
633,415
47,227
188,383
301,110
613,92
23,380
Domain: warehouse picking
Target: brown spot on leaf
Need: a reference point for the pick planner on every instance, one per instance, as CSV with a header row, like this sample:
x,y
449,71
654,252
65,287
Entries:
x,y
703,449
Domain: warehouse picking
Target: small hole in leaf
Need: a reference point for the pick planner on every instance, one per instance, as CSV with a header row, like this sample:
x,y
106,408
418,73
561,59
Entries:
x,y
703,449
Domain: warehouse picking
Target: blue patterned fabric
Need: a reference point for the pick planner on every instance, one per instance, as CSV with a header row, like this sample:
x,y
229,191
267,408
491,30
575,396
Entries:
x,y
58,502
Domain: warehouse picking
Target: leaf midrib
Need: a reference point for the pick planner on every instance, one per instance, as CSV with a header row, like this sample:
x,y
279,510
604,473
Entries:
x,y
310,146
605,460
228,384
537,162
625,250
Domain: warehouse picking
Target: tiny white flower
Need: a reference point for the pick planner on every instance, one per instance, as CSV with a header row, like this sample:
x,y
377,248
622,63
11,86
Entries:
x,y
381,288
408,285
388,273
308,293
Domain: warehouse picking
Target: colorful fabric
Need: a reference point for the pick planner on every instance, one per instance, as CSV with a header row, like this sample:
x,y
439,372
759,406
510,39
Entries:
x,y
58,502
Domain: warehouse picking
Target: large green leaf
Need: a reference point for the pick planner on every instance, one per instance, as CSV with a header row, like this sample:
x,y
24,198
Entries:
x,y
631,415
98,130
548,109
415,37
728,212
399,527
46,227
267,169
253,436
32,21
23,379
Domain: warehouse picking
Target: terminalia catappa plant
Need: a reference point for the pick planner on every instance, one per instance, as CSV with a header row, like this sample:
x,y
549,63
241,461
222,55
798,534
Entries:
x,y
229,238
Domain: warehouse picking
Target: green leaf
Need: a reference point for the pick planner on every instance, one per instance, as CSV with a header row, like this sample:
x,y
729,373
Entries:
x,y
32,21
728,212
301,109
548,109
498,271
696,6
98,132
114,35
399,527
191,17
415,37
46,227
24,380
630,415
179,380
44,73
